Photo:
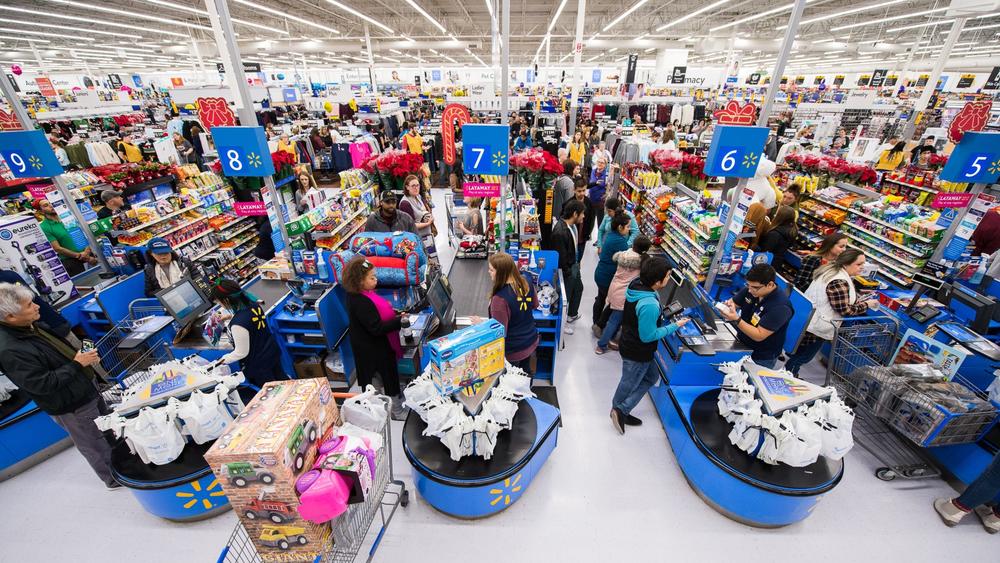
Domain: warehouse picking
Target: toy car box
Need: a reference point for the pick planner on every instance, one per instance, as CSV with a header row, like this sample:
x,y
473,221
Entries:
x,y
262,453
467,356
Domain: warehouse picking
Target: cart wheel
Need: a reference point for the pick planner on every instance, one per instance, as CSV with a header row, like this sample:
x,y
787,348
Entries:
x,y
915,472
885,474
404,500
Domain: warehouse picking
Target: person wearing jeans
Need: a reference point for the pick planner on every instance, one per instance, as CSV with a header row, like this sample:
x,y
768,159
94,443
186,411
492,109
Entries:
x,y
615,242
564,241
981,496
641,331
628,269
763,316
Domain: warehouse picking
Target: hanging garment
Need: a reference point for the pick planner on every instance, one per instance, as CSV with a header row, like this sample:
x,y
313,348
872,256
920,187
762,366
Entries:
x,y
687,114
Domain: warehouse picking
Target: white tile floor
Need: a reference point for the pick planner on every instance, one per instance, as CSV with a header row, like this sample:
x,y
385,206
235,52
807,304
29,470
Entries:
x,y
600,497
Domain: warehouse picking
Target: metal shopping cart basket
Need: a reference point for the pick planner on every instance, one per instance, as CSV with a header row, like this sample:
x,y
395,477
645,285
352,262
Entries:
x,y
352,529
122,356
895,416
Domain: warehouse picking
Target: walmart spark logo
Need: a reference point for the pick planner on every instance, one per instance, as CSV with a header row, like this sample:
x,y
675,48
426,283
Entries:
x,y
995,167
258,317
35,162
503,494
499,158
201,495
749,160
253,159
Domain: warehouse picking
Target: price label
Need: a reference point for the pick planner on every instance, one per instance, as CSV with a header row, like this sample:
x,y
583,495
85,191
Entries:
x,y
735,151
243,151
976,159
485,149
29,155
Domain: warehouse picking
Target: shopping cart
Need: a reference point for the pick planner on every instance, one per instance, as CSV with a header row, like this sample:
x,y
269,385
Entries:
x,y
895,417
352,529
118,359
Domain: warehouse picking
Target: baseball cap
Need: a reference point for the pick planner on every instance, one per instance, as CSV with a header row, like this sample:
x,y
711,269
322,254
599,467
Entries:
x,y
106,195
389,196
159,245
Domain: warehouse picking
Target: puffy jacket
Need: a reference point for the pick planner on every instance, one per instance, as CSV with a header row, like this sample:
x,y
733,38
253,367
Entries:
x,y
152,285
628,269
57,384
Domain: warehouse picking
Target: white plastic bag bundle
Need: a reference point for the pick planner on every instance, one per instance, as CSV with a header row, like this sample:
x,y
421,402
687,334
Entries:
x,y
745,434
458,438
837,420
515,383
806,448
369,410
776,438
443,417
486,436
499,410
154,436
204,414
418,392
374,439
994,388
735,399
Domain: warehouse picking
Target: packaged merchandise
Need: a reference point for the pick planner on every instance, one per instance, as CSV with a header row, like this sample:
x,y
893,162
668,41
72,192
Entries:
x,y
468,358
262,454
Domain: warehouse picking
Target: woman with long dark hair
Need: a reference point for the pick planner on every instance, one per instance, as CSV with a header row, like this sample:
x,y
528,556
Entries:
x,y
828,251
833,295
513,303
254,346
778,236
890,159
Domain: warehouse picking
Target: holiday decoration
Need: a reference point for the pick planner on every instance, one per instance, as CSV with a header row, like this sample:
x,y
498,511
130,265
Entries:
x,y
973,117
452,114
736,114
215,112
9,122
16,69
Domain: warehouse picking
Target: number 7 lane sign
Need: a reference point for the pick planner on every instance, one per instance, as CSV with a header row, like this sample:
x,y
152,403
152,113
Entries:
x,y
976,159
485,149
735,151
29,155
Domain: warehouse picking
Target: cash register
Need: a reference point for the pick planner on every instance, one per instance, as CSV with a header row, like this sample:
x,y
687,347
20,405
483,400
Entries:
x,y
680,290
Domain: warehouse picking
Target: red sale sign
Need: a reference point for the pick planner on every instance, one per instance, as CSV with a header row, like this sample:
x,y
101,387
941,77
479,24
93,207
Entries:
x,y
944,200
480,189
38,191
250,208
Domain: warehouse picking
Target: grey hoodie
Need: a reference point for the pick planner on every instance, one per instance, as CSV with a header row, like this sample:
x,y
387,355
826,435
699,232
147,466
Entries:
x,y
628,269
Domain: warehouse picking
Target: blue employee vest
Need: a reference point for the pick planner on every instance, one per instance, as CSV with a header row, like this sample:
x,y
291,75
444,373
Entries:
x,y
521,331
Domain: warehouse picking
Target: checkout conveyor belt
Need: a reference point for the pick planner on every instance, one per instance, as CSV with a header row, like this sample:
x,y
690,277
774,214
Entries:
x,y
268,291
470,285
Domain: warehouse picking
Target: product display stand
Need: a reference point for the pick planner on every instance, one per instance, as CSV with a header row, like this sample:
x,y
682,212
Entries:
x,y
28,436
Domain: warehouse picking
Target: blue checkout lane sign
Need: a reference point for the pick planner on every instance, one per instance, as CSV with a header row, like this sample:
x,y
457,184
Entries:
x,y
243,151
485,149
976,159
735,151
29,155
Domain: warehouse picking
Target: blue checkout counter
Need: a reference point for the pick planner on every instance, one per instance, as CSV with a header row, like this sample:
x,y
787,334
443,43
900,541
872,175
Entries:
x,y
474,487
726,478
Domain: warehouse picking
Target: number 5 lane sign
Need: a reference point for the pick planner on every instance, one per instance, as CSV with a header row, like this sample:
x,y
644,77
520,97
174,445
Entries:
x,y
976,159
485,149
735,151
29,155
243,151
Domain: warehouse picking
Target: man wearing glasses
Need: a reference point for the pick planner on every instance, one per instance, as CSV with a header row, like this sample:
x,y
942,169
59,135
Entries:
x,y
762,319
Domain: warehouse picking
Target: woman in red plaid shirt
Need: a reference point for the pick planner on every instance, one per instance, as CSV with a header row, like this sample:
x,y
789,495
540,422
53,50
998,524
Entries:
x,y
833,295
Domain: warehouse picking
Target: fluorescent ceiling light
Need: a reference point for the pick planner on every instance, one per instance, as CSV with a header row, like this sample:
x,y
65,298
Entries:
x,y
44,34
650,50
977,28
450,59
683,19
398,52
489,8
847,12
566,56
893,18
624,14
130,14
281,14
189,9
770,12
594,57
91,20
554,18
389,58
426,15
919,25
24,39
358,14
86,31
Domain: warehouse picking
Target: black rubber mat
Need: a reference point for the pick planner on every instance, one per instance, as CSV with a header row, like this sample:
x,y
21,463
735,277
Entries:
x,y
470,285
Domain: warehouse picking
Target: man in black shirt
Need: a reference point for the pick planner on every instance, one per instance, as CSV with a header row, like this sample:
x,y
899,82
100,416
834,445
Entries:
x,y
113,203
565,240
764,312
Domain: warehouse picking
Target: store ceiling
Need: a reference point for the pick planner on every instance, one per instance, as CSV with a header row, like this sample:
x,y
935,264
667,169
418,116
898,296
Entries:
x,y
151,34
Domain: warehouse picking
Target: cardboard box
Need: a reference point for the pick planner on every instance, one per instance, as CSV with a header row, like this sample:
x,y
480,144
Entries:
x,y
310,368
472,354
260,456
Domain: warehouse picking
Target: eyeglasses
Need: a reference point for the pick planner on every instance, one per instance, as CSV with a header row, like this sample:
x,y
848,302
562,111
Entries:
x,y
756,287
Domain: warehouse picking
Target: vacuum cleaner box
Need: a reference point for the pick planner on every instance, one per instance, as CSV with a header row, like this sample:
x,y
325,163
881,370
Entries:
x,y
260,456
467,356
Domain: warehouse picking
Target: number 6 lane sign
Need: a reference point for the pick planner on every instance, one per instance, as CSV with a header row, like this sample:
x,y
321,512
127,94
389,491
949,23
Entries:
x,y
29,155
243,151
976,159
735,151
485,149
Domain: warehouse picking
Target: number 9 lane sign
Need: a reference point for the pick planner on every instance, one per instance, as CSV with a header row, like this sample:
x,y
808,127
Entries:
x,y
485,149
735,151
243,151
976,159
29,155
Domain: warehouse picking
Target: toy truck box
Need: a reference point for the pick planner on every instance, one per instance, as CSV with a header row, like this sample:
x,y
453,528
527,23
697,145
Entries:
x,y
467,358
261,454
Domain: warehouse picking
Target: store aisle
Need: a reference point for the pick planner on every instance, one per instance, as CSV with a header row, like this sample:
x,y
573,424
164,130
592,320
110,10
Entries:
x,y
600,497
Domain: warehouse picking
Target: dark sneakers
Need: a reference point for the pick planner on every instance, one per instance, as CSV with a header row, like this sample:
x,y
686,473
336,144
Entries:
x,y
632,421
618,420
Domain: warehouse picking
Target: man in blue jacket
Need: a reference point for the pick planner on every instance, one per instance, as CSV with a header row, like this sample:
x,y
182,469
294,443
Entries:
x,y
641,331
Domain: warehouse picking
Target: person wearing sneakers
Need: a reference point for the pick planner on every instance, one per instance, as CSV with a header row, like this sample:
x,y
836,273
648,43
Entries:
x,y
616,241
628,262
565,239
981,496
641,331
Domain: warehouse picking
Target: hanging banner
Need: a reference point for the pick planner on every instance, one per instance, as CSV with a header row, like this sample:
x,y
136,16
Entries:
x,y
595,76
735,151
45,87
838,80
800,80
864,80
176,81
247,67
735,114
891,80
878,78
480,189
784,80
9,122
819,80
922,80
215,112
633,62
754,78
13,83
29,155
115,80
966,80
993,82
250,208
972,117
680,72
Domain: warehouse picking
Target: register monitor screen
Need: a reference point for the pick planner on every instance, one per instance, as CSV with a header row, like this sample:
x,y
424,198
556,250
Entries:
x,y
184,301
439,297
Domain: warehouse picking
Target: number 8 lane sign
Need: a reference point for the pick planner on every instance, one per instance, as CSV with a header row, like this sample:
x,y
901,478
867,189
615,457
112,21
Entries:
x,y
735,151
976,159
243,151
29,155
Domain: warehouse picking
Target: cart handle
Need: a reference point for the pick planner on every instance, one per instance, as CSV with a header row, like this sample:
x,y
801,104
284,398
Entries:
x,y
337,395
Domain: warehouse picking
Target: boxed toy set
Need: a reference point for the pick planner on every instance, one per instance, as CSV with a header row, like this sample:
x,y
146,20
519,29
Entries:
x,y
261,455
468,359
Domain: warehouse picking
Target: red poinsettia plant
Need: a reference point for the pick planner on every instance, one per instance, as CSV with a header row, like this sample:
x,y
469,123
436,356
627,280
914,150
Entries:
x,y
666,160
396,163
694,166
937,161
536,165
120,176
280,159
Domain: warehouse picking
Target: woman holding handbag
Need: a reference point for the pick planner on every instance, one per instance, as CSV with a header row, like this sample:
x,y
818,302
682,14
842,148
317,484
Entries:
x,y
417,207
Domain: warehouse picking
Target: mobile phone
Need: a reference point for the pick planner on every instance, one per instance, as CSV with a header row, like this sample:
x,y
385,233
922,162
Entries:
x,y
87,345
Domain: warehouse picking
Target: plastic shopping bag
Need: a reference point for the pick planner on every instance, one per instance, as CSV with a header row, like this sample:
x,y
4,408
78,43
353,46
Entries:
x,y
204,416
418,392
837,420
486,436
458,438
514,382
369,410
154,436
994,388
372,439
805,449
443,417
499,410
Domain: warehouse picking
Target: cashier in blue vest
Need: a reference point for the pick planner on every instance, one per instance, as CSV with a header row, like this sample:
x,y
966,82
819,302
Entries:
x,y
513,304
762,319
254,346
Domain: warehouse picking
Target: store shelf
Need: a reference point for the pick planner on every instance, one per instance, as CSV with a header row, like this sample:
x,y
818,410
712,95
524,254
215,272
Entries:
x,y
194,238
891,226
228,236
914,186
885,240
877,249
681,262
134,230
895,279
683,251
179,227
327,234
886,263
284,181
205,252
817,217
688,222
684,235
828,202
348,236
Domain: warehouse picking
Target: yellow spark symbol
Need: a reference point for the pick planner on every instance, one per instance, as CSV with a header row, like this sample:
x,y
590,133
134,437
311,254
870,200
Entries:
x,y
201,495
258,317
253,159
995,167
504,493
499,159
35,162
749,160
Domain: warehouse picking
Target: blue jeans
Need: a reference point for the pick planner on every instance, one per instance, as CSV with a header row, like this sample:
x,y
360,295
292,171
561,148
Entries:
x,y
637,378
985,489
803,355
765,363
610,328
